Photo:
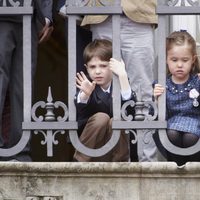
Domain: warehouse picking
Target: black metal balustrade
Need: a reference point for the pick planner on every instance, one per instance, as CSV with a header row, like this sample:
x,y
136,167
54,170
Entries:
x,y
50,125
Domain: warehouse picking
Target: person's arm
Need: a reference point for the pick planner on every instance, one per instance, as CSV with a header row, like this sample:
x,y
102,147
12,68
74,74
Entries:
x,y
45,33
118,68
86,87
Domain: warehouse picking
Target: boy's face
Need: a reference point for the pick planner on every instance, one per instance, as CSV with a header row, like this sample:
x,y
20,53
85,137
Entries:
x,y
99,71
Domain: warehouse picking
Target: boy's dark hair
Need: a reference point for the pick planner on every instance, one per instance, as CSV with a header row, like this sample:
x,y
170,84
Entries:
x,y
100,48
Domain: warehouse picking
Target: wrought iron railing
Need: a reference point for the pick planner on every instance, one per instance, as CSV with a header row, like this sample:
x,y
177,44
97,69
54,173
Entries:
x,y
120,119
11,7
49,125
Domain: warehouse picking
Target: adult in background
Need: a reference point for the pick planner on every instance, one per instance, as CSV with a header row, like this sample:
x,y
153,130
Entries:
x,y
11,67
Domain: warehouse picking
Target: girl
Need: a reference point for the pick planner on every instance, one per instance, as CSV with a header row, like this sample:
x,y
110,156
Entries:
x,y
182,93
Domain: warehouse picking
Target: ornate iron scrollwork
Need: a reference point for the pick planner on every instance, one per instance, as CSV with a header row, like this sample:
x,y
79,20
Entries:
x,y
81,3
127,116
49,139
133,132
144,111
183,2
11,2
49,107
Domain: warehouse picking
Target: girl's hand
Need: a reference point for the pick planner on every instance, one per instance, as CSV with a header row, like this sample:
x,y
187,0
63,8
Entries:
x,y
84,85
117,67
158,90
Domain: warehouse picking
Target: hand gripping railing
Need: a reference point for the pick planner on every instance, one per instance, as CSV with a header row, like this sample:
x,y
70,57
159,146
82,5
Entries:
x,y
73,10
165,8
26,11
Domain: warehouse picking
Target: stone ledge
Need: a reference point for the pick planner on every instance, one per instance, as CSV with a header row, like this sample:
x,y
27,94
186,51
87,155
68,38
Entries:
x,y
145,168
99,181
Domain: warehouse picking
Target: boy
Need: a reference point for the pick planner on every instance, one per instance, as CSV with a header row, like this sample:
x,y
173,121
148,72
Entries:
x,y
94,101
137,25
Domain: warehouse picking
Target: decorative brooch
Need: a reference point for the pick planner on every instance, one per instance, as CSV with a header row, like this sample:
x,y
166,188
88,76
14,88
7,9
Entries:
x,y
193,94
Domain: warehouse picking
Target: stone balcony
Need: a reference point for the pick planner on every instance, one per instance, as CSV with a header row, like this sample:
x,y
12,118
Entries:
x,y
99,181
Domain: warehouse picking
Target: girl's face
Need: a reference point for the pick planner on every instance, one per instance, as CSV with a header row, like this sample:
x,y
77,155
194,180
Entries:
x,y
180,62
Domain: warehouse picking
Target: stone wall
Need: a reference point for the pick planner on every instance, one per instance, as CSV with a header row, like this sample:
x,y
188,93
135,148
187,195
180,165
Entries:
x,y
99,181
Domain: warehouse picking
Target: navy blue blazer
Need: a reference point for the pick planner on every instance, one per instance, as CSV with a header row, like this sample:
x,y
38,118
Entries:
x,y
99,101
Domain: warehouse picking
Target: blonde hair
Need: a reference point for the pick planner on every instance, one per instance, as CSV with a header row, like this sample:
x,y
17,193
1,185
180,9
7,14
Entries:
x,y
180,38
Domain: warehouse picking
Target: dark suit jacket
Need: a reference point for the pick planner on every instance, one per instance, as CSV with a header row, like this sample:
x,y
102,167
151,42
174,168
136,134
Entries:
x,y
60,4
42,9
99,102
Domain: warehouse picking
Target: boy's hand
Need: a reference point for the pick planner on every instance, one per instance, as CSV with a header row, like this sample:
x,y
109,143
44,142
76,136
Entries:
x,y
117,67
158,90
84,85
